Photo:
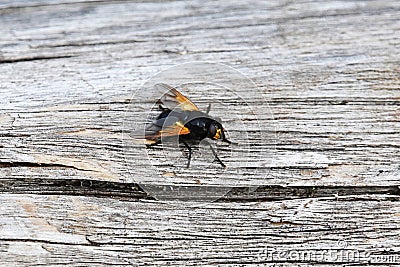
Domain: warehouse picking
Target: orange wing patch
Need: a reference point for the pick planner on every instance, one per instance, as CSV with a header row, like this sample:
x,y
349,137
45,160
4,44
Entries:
x,y
176,129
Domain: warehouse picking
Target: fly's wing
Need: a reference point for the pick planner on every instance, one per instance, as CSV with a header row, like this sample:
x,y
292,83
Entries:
x,y
173,130
174,99
164,127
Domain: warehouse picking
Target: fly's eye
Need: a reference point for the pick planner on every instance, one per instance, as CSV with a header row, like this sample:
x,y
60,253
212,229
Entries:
x,y
212,131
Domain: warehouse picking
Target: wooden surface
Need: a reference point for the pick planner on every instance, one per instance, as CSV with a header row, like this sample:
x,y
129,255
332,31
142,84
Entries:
x,y
317,167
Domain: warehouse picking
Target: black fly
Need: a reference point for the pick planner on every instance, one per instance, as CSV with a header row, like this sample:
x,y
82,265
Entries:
x,y
181,118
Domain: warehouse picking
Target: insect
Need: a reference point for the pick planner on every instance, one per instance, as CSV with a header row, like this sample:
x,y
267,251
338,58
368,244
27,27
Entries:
x,y
182,119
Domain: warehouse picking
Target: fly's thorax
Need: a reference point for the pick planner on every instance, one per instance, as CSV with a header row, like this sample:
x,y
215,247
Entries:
x,y
199,127
205,127
188,116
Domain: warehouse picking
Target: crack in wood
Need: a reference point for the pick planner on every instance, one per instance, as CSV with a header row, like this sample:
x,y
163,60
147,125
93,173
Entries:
x,y
37,165
74,3
44,241
134,191
32,58
83,44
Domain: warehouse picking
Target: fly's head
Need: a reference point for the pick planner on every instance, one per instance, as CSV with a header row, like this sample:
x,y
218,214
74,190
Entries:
x,y
216,131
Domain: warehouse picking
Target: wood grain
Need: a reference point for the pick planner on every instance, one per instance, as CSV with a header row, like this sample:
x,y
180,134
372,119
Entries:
x,y
319,126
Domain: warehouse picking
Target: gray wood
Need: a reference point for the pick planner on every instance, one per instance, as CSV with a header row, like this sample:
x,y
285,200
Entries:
x,y
53,230
323,170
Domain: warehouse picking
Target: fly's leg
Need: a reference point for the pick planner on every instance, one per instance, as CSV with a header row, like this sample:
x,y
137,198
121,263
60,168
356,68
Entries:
x,y
216,155
208,108
226,141
190,153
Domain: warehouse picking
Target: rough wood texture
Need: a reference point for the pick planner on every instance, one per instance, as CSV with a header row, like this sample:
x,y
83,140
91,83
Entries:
x,y
323,172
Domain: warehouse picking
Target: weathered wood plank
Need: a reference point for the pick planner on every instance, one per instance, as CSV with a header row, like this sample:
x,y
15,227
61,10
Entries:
x,y
334,100
324,166
77,230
